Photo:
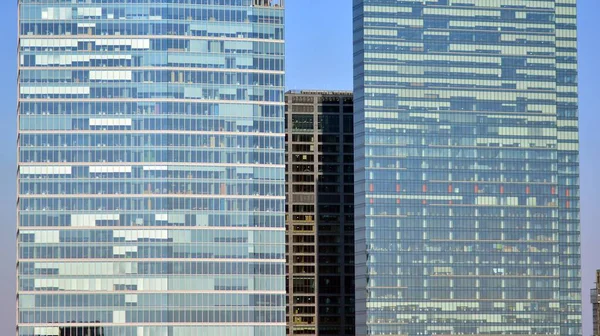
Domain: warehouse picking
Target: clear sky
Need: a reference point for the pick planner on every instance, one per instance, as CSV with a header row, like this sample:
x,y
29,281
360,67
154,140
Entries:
x,y
319,56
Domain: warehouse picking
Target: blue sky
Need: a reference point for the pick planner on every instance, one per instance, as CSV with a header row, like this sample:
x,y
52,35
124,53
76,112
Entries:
x,y
319,56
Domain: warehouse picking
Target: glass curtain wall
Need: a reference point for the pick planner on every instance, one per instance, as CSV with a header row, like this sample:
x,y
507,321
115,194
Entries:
x,y
151,168
466,167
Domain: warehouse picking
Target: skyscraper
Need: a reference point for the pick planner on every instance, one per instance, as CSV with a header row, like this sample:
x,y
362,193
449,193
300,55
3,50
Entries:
x,y
151,168
467,197
595,301
320,212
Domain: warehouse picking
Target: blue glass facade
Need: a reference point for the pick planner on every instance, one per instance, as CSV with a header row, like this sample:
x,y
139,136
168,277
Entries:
x,y
466,167
151,168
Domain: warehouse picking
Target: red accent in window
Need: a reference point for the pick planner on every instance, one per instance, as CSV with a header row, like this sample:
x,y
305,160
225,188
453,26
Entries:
x,y
527,190
371,187
424,188
449,188
502,189
397,188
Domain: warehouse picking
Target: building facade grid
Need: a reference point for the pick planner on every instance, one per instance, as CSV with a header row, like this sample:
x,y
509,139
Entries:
x,y
595,301
151,168
320,212
466,167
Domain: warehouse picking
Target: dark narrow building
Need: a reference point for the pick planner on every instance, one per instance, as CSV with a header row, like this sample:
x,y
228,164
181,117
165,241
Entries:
x,y
320,212
595,299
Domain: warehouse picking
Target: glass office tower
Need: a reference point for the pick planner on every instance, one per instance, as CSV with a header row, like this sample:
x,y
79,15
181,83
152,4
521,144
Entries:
x,y
151,168
466,138
320,212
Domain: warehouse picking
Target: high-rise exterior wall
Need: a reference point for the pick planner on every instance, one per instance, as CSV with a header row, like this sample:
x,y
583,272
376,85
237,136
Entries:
x,y
151,167
467,196
320,212
595,300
